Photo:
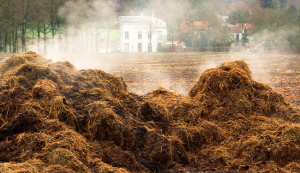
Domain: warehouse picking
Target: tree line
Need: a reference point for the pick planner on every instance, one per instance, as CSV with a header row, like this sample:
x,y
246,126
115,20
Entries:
x,y
276,23
46,23
23,17
72,26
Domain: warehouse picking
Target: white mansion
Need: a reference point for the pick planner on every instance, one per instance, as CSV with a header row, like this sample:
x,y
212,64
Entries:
x,y
135,33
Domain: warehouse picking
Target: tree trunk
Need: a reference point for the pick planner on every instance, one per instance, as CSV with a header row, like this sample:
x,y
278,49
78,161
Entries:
x,y
150,42
53,33
5,43
91,41
23,39
86,40
10,51
79,47
74,42
59,39
39,36
107,40
208,44
32,42
66,40
173,50
45,38
1,48
14,42
52,43
208,37
96,44
192,44
193,34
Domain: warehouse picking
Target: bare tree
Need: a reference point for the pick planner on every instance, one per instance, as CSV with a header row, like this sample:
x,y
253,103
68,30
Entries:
x,y
173,17
224,36
107,18
276,21
55,21
1,21
89,16
257,18
8,17
150,28
206,14
173,28
190,11
27,13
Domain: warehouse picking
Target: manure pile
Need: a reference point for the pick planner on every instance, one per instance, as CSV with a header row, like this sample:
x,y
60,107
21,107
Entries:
x,y
54,118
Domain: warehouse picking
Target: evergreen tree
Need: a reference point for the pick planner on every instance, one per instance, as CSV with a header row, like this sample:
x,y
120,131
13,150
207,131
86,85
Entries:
x,y
238,17
237,40
245,38
232,18
267,3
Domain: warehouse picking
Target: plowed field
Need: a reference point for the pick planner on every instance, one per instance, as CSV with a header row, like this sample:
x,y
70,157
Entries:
x,y
178,72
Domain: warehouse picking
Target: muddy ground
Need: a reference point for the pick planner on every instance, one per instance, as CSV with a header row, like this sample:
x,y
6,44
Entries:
x,y
178,72
144,72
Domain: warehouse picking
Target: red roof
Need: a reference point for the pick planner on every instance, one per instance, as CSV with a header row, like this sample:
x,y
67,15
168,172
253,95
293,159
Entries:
x,y
199,26
245,25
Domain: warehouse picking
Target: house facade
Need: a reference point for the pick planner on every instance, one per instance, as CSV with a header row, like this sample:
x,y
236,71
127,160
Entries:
x,y
136,31
247,27
234,32
239,29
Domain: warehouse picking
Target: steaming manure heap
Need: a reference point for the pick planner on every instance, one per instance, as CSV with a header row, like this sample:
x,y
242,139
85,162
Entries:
x,y
55,118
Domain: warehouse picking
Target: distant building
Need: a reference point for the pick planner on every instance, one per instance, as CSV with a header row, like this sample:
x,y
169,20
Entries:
x,y
239,29
178,46
199,27
247,27
234,31
176,43
135,33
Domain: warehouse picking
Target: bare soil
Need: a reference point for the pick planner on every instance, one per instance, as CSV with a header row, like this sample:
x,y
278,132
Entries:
x,y
178,72
4,56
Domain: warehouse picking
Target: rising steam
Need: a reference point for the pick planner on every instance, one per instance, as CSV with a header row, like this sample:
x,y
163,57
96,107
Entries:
x,y
87,28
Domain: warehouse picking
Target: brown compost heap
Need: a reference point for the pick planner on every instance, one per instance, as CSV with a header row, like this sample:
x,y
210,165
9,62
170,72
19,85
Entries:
x,y
55,118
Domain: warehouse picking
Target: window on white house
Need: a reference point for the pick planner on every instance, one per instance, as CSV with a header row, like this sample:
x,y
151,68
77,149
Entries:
x,y
148,35
126,35
140,35
126,47
140,47
159,35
